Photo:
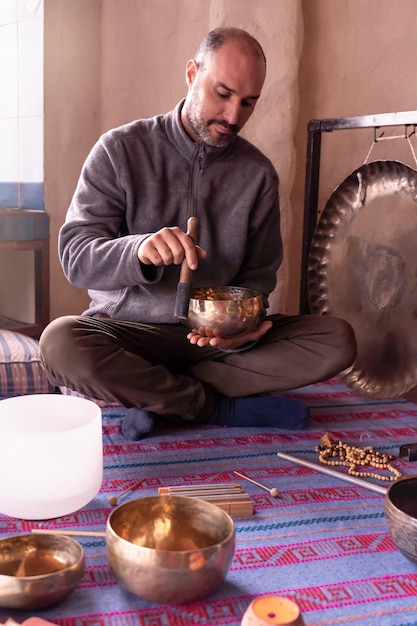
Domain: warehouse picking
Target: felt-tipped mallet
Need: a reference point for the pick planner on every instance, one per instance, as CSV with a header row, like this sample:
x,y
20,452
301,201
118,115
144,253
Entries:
x,y
272,492
114,499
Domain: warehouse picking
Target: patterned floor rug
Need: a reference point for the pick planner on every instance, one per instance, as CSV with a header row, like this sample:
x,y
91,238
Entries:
x,y
323,542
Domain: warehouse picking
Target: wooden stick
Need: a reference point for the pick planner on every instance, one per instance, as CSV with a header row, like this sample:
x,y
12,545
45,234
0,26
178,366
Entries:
x,y
200,490
230,496
203,486
210,496
114,499
272,492
55,531
326,470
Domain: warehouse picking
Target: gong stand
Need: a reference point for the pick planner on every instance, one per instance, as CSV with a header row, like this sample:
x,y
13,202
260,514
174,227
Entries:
x,y
359,261
406,119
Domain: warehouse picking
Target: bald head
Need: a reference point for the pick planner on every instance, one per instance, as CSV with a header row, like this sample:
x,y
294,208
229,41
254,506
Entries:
x,y
225,80
228,34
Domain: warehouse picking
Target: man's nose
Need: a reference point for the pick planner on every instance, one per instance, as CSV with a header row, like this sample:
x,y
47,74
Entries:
x,y
232,112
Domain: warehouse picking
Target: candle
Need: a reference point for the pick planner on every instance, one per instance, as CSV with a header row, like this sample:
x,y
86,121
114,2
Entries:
x,y
272,611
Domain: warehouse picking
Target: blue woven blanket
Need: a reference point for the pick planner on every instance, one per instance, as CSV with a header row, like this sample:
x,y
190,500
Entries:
x,y
323,543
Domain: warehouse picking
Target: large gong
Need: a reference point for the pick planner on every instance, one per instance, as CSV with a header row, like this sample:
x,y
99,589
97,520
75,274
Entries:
x,y
362,267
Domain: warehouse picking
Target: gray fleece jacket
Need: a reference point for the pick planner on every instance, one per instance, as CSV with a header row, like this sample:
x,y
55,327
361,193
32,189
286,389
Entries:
x,y
149,174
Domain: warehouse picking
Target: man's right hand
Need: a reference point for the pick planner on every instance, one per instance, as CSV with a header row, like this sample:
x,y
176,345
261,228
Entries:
x,y
169,246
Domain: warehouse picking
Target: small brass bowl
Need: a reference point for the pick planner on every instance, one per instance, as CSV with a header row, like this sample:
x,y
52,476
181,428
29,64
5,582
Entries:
x,y
170,549
224,311
37,571
401,514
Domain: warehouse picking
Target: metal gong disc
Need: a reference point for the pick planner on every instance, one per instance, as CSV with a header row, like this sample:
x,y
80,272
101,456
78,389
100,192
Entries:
x,y
362,267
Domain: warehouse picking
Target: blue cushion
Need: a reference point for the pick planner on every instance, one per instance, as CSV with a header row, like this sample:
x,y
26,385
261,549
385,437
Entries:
x,y
21,371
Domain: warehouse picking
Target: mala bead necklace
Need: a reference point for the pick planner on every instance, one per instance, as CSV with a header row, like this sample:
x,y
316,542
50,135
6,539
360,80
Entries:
x,y
333,452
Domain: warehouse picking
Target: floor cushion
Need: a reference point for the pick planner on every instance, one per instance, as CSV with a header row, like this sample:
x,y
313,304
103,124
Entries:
x,y
21,371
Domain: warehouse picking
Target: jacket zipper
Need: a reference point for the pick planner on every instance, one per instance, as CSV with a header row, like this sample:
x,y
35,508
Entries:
x,y
196,172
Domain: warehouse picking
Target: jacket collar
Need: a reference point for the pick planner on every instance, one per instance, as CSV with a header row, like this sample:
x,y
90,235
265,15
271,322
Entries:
x,y
186,146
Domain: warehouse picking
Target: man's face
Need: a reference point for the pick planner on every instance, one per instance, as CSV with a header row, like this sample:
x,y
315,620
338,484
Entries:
x,y
222,95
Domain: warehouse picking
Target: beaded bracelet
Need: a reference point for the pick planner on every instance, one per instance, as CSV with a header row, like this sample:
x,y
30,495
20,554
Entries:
x,y
354,457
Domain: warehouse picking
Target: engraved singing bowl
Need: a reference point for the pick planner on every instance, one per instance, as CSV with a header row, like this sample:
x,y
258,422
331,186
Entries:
x,y
37,571
224,311
401,515
170,549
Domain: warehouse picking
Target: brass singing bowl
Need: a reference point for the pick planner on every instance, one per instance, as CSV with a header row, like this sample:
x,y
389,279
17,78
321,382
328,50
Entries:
x,y
224,311
401,515
170,549
37,571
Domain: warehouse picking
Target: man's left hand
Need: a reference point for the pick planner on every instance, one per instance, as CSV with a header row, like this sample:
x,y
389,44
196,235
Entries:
x,y
233,343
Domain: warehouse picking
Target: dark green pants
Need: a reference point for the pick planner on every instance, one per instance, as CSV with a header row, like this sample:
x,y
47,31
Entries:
x,y
154,367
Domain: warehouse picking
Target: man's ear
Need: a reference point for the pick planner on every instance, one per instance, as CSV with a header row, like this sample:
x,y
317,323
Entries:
x,y
190,72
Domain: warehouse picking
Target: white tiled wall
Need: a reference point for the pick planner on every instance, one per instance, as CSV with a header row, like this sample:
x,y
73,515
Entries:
x,y
21,93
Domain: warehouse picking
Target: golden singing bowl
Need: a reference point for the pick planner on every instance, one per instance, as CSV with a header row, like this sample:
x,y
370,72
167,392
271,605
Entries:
x,y
224,311
37,571
170,549
401,515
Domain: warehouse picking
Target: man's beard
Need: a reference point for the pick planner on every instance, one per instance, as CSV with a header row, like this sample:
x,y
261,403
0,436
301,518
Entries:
x,y
202,128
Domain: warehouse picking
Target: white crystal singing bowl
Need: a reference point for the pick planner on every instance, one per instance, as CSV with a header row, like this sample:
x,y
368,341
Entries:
x,y
51,455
